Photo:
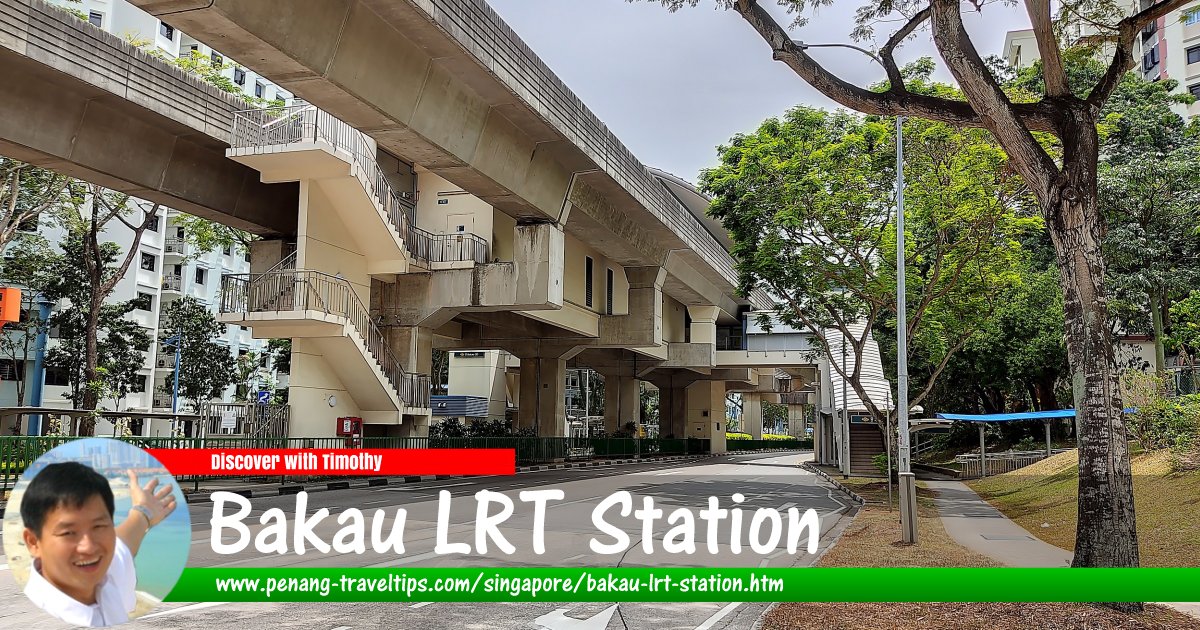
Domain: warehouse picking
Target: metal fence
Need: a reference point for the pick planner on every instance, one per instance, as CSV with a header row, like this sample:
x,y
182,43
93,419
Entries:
x,y
17,452
301,290
243,419
998,463
305,123
762,445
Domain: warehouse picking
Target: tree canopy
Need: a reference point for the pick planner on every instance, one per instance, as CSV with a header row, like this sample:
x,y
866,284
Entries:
x,y
809,201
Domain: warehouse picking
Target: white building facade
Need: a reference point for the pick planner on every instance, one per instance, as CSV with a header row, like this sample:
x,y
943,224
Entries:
x,y
164,268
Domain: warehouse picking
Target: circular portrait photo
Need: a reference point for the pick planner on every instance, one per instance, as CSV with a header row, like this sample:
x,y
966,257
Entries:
x,y
96,532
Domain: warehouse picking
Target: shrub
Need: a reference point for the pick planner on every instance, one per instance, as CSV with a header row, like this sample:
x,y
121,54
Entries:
x,y
881,463
737,436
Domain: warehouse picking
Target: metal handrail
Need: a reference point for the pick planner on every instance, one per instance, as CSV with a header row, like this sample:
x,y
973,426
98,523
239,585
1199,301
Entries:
x,y
174,245
172,282
306,123
299,290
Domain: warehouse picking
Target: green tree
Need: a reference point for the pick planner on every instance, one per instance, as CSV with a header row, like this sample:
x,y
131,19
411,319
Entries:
x,y
1063,183
774,416
281,354
99,348
96,266
31,264
1149,186
27,194
809,202
1017,360
204,236
206,367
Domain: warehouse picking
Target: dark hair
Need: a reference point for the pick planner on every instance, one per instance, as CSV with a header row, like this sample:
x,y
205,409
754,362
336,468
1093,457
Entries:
x,y
67,483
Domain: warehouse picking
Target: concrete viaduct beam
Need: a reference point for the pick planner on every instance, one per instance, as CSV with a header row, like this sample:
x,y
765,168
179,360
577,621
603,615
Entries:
x,y
85,103
447,85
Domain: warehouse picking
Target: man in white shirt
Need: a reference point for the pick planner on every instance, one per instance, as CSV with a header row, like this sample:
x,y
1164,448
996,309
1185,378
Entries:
x,y
83,571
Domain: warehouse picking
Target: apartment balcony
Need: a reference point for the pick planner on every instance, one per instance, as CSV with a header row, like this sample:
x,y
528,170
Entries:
x,y
166,357
172,282
175,246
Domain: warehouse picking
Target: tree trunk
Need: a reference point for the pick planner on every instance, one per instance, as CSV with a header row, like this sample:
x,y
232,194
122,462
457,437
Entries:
x,y
1156,320
87,426
1106,530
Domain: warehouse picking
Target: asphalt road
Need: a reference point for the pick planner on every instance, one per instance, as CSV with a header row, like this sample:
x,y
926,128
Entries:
x,y
766,480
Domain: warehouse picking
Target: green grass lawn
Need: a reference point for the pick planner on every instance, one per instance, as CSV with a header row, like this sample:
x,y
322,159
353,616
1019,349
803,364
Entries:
x,y
1042,499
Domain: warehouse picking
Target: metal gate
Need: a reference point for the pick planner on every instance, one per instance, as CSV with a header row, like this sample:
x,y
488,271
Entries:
x,y
243,420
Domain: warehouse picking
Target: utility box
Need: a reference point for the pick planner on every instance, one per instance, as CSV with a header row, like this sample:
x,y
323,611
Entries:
x,y
10,305
352,429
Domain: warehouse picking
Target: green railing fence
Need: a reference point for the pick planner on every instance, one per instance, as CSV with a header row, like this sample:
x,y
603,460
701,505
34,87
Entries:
x,y
17,452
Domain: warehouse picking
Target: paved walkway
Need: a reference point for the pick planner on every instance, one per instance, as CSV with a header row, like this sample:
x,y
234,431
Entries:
x,y
976,525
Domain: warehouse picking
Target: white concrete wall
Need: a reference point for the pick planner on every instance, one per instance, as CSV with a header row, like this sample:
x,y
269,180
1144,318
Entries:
x,y
312,381
482,376
575,286
674,318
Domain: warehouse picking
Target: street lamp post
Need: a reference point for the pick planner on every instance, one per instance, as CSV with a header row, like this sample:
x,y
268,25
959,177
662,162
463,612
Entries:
x,y
908,495
176,342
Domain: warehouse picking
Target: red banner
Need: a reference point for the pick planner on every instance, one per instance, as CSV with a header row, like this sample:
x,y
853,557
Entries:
x,y
334,461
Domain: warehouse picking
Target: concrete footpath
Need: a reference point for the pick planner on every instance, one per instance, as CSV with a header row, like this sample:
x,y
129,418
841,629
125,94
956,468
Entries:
x,y
973,523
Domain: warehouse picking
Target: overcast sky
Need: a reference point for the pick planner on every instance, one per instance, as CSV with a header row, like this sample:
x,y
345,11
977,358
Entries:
x,y
674,86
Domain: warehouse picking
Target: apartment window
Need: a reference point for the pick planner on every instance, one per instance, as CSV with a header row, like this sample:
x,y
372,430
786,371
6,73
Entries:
x,y
1191,17
139,385
217,59
201,274
1195,90
143,302
259,89
96,18
609,284
145,347
239,76
152,226
8,370
166,30
1150,59
149,262
587,280
227,250
1193,54
56,376
194,48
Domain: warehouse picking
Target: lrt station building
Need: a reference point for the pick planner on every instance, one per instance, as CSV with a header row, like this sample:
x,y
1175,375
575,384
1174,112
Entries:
x,y
432,185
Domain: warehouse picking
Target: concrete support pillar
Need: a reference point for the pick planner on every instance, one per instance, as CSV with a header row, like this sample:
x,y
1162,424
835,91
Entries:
x,y
543,396
412,346
539,251
672,412
796,423
643,325
704,327
752,415
706,413
622,402
265,255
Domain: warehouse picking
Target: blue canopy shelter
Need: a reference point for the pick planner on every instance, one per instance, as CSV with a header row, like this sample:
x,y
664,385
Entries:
x,y
983,419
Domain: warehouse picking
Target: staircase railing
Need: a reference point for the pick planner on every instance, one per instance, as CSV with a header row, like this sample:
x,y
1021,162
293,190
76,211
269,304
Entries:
x,y
301,290
306,123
